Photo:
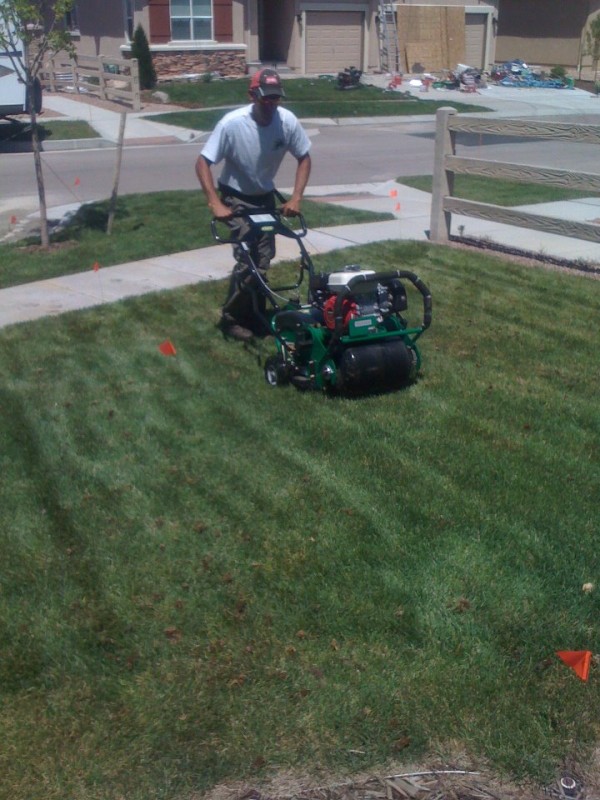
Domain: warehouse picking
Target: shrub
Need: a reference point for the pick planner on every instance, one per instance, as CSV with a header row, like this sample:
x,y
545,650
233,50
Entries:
x,y
140,49
558,72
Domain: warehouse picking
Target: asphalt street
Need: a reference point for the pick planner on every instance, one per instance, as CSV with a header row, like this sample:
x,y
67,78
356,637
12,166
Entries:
x,y
348,151
353,154
340,154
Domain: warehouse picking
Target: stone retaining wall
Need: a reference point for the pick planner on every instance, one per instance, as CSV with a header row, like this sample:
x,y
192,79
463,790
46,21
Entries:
x,y
175,63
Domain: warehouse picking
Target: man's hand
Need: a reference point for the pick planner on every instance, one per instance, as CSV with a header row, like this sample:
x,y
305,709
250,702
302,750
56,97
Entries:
x,y
216,205
220,210
291,208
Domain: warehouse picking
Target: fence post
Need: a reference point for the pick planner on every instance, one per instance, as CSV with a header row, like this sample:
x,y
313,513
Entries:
x,y
135,84
102,78
443,181
76,79
51,74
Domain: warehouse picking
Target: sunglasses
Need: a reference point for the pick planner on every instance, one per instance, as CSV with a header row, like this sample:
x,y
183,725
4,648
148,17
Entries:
x,y
270,98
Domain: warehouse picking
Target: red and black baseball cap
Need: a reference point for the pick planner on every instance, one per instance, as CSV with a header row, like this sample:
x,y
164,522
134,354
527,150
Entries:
x,y
266,82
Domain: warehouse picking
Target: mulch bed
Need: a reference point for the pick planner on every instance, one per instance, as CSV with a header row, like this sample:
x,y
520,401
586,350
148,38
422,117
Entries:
x,y
442,784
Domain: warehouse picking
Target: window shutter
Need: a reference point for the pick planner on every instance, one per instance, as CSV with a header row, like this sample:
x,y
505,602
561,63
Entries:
x,y
160,21
223,22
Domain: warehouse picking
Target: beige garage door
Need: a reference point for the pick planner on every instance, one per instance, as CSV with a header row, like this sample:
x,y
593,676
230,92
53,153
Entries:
x,y
334,40
475,40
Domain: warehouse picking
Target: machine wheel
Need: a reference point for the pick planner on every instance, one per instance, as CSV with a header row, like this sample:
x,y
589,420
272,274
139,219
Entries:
x,y
276,372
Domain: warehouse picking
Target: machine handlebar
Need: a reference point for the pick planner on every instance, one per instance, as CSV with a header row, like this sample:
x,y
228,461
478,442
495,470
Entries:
x,y
259,220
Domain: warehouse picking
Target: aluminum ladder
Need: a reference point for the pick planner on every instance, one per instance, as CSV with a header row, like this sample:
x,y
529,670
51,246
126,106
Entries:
x,y
389,48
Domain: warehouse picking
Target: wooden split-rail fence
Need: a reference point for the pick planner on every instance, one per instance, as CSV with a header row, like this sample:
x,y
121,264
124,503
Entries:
x,y
447,164
107,78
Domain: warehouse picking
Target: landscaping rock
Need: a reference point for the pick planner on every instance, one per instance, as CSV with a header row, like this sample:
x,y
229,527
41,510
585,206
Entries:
x,y
160,97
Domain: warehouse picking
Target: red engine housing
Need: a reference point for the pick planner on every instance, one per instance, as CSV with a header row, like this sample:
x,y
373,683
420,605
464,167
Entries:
x,y
349,310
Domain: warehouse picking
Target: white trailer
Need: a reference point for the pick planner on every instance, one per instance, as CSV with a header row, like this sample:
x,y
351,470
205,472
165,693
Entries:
x,y
13,95
13,92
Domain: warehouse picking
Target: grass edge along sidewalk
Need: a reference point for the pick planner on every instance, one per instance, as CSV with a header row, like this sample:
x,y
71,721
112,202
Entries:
x,y
158,223
206,579
146,225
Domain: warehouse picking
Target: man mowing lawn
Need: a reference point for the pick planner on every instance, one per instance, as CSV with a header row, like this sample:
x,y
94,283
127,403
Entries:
x,y
252,141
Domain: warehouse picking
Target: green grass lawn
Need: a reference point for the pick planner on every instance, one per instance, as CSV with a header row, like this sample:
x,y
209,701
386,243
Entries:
x,y
207,579
18,131
499,192
306,97
145,225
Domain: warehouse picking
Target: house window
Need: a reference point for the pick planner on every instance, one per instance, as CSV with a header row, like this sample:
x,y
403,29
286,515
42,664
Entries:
x,y
191,19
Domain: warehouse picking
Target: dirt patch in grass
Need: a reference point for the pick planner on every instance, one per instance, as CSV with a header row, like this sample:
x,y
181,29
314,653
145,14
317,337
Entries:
x,y
53,247
417,783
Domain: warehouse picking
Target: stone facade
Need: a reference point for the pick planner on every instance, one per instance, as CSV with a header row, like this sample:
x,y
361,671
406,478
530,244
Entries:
x,y
173,63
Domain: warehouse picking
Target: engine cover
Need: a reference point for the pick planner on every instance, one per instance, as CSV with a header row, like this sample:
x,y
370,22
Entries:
x,y
337,281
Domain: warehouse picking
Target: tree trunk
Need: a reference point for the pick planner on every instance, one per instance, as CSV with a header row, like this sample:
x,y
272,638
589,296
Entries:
x,y
37,159
112,207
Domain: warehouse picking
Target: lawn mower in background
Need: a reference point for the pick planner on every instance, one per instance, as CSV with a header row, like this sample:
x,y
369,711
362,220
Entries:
x,y
348,78
350,336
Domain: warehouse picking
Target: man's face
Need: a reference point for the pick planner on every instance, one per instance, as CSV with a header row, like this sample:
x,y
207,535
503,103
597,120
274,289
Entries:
x,y
265,107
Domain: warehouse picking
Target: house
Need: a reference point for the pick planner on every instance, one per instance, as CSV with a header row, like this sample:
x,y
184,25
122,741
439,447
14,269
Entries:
x,y
185,36
301,36
546,36
327,35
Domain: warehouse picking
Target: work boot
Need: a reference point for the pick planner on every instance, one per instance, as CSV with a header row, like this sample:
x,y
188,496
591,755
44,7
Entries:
x,y
230,327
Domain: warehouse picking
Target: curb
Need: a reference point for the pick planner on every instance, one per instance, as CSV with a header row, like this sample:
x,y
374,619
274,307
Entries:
x,y
77,144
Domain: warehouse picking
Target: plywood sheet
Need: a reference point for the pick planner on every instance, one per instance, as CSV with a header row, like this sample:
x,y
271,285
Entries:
x,y
431,38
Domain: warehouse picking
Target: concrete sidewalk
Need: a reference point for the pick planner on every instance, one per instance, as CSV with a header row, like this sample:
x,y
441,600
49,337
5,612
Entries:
x,y
139,127
410,207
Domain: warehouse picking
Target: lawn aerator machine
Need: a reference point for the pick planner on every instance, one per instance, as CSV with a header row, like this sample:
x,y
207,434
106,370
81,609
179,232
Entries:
x,y
350,336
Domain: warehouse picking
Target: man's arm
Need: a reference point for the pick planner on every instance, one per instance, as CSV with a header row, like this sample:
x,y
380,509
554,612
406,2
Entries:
x,y
292,207
216,205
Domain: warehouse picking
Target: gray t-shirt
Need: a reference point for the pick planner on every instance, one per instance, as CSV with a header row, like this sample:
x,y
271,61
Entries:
x,y
253,153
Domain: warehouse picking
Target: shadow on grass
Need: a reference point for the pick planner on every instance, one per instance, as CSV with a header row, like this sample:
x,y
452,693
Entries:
x,y
15,130
90,217
16,134
71,231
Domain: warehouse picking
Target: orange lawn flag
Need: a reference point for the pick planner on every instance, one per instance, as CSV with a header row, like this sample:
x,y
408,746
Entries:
x,y
578,660
393,192
76,182
96,266
166,348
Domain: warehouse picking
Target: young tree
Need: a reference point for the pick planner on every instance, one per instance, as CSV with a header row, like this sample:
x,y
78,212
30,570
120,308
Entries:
x,y
29,30
140,49
592,44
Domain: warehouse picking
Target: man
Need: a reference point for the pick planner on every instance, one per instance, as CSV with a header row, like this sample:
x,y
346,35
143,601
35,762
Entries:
x,y
252,142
